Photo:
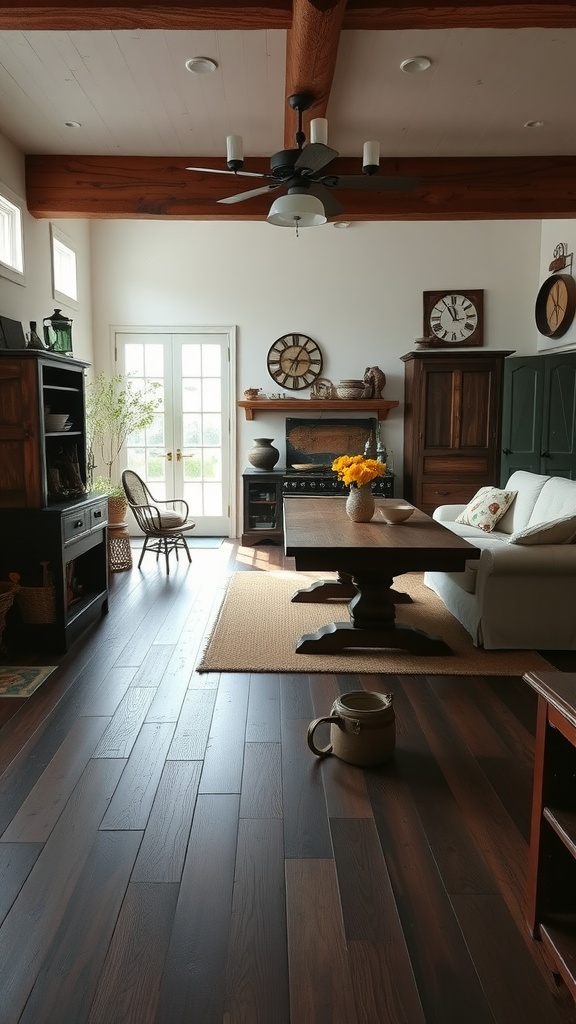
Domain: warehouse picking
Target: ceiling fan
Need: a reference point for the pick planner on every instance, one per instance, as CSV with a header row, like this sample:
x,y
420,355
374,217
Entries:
x,y
309,200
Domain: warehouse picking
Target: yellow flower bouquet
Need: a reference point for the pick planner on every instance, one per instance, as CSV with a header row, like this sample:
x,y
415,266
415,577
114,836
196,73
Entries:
x,y
356,470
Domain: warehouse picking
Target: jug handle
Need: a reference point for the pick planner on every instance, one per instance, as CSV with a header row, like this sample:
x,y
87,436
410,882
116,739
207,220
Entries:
x,y
320,751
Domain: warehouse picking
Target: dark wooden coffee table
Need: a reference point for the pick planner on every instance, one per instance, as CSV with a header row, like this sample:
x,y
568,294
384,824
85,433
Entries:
x,y
367,557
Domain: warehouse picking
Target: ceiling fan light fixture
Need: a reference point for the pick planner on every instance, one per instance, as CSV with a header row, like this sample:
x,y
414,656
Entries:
x,y
201,65
300,210
319,130
370,157
234,152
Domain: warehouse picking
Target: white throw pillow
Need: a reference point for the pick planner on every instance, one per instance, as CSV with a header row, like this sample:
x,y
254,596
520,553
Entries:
x,y
559,531
486,507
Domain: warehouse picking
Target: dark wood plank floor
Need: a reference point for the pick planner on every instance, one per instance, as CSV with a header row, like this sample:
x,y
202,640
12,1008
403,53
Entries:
x,y
172,853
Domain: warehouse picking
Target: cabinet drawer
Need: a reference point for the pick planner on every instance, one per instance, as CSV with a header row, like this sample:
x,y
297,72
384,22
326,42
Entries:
x,y
448,494
76,525
98,515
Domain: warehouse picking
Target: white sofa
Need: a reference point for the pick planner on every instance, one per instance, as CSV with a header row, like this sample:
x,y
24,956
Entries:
x,y
520,594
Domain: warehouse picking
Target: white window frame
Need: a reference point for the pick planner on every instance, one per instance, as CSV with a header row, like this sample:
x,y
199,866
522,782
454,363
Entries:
x,y
63,248
12,233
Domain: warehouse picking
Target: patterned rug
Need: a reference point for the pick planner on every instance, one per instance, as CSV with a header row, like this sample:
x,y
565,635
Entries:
x,y
21,681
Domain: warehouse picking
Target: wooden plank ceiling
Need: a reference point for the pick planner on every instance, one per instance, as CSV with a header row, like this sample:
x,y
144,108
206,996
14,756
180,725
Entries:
x,y
159,187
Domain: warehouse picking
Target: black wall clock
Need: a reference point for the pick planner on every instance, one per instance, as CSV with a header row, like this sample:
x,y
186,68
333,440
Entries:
x,y
556,305
294,361
455,317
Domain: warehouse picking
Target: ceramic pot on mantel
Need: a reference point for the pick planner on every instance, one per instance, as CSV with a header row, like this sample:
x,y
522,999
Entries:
x,y
263,455
360,504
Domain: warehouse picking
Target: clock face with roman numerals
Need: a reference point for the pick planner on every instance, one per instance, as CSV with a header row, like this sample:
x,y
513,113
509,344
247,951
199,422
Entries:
x,y
455,318
294,361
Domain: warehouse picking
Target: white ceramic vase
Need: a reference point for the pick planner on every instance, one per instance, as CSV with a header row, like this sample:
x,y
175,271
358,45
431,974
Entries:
x,y
360,504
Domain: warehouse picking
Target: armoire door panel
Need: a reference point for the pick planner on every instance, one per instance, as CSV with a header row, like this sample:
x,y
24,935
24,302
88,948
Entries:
x,y
476,426
438,432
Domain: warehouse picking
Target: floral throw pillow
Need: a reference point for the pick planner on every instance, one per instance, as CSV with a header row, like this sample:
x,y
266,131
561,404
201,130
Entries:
x,y
486,508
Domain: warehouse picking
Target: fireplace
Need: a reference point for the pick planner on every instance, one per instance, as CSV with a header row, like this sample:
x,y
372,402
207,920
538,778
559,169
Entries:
x,y
313,444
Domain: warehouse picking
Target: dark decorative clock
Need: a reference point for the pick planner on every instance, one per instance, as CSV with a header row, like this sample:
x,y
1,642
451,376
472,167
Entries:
x,y
556,305
294,361
455,318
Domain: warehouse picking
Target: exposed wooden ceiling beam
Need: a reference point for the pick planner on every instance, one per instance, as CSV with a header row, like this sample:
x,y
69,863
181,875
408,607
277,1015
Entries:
x,y
158,187
71,15
311,51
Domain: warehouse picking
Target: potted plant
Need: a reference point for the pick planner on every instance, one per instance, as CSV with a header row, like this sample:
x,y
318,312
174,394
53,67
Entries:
x,y
116,407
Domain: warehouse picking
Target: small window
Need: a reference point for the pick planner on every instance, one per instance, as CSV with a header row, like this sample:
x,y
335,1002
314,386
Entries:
x,y
64,275
11,236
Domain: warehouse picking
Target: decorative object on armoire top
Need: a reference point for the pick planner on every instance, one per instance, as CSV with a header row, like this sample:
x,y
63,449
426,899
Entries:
x,y
11,333
263,455
58,332
456,317
556,305
374,381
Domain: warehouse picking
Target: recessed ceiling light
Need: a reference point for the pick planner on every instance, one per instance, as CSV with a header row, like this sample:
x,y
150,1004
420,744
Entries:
x,y
201,65
412,64
72,124
341,223
534,124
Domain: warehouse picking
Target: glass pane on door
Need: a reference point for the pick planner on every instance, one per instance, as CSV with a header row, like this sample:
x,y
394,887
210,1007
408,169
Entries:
x,y
184,453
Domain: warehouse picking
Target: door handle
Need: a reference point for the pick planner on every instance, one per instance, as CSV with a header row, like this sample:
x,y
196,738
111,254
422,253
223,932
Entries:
x,y
507,451
179,455
169,456
545,455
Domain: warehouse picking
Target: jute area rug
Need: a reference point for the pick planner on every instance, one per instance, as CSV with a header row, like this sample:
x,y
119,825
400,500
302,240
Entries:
x,y
258,627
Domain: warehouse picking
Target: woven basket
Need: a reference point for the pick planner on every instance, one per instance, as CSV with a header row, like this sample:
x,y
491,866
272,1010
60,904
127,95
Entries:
x,y
37,604
8,592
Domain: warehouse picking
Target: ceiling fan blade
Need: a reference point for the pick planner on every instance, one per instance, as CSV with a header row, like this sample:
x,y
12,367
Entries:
x,y
241,196
372,182
332,207
217,170
314,157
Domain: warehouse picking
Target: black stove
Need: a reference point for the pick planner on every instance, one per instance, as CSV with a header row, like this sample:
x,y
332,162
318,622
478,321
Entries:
x,y
327,483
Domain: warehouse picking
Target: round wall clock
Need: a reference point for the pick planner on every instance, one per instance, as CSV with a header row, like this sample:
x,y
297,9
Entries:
x,y
456,318
556,305
294,361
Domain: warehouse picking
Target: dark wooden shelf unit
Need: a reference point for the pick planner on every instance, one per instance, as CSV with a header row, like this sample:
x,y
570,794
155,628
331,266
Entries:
x,y
45,513
551,881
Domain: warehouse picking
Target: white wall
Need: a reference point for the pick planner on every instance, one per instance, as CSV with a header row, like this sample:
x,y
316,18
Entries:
x,y
357,292
34,300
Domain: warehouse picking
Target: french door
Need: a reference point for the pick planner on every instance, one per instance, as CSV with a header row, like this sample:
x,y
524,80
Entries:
x,y
187,451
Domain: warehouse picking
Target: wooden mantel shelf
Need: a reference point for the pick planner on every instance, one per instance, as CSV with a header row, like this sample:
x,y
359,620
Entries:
x,y
306,405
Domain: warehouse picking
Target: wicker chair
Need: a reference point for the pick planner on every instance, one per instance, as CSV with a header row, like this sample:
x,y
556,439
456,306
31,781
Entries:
x,y
163,523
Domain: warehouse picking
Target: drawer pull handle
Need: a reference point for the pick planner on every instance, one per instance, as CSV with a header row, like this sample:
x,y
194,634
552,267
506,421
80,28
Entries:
x,y
79,522
98,515
442,492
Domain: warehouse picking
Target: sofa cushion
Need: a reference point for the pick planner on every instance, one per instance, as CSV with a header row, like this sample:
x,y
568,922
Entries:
x,y
528,485
486,508
556,499
558,531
